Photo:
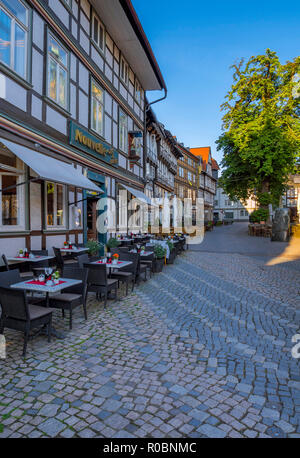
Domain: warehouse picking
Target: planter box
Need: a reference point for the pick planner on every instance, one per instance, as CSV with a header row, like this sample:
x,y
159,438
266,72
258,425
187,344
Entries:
x,y
172,257
158,265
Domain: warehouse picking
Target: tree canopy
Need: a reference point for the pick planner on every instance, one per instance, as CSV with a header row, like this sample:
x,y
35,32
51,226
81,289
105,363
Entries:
x,y
261,124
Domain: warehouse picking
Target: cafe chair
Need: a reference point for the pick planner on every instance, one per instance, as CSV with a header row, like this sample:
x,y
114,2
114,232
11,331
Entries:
x,y
74,296
99,283
60,261
13,276
19,315
128,273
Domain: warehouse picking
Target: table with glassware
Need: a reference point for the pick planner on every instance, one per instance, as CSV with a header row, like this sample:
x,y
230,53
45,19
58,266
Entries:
x,y
30,258
113,265
47,287
74,250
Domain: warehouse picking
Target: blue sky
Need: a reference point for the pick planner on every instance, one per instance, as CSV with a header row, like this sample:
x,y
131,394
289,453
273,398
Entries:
x,y
195,43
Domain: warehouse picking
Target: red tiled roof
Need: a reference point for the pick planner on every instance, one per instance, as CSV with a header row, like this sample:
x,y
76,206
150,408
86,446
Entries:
x,y
203,152
214,164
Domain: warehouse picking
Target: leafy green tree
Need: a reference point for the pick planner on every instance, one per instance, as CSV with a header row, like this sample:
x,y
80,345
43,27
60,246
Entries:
x,y
261,124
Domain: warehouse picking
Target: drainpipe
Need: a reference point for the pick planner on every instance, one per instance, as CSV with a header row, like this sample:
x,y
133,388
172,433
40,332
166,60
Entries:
x,y
147,106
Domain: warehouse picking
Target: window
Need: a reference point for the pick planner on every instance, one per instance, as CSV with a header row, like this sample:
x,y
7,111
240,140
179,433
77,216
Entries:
x,y
138,92
124,71
55,204
98,33
12,196
189,193
181,172
13,35
123,132
97,108
68,3
189,176
244,213
58,73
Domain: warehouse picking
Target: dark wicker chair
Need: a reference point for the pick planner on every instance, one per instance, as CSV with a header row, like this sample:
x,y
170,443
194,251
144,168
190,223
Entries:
x,y
127,274
24,275
4,262
39,267
74,296
98,282
19,315
148,261
83,259
60,261
13,276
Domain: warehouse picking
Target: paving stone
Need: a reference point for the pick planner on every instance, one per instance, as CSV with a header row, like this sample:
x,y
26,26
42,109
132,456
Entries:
x,y
211,431
52,427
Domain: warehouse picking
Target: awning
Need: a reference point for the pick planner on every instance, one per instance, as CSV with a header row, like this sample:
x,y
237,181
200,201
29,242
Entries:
x,y
138,194
48,168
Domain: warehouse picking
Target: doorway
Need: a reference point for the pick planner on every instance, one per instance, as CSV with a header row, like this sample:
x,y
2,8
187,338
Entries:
x,y
92,219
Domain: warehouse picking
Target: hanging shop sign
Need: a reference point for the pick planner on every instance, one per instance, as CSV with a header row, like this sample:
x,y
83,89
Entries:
x,y
91,144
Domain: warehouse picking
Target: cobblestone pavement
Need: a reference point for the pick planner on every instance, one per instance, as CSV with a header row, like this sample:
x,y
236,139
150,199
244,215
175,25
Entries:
x,y
201,350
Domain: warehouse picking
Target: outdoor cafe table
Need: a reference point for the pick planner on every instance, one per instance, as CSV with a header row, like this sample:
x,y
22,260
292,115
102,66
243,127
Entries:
x,y
146,253
110,265
34,259
33,285
74,250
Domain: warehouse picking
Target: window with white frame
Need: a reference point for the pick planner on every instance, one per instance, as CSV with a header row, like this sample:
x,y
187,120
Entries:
x,y
123,132
181,172
55,205
189,176
138,92
12,215
98,32
124,71
97,108
58,72
14,35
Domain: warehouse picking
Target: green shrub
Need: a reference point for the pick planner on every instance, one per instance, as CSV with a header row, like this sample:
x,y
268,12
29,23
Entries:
x,y
170,245
159,251
112,243
261,214
94,246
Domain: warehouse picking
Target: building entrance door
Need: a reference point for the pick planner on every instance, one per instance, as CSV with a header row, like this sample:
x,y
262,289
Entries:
x,y
92,219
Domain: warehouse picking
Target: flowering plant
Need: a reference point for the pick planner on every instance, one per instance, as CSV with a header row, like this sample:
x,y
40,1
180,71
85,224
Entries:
x,y
66,243
116,256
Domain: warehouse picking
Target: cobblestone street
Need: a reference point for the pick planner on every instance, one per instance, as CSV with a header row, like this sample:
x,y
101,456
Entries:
x,y
201,350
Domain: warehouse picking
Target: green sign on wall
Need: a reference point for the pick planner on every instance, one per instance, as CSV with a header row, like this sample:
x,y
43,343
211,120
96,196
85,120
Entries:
x,y
91,144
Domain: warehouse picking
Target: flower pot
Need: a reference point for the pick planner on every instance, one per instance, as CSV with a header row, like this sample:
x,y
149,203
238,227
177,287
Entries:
x,y
158,265
171,257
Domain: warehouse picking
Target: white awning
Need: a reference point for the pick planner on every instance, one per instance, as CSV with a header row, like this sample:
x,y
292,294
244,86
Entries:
x,y
48,168
138,194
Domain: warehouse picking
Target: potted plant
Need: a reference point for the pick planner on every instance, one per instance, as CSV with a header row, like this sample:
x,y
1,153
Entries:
x,y
115,258
172,252
112,243
56,277
94,247
160,254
